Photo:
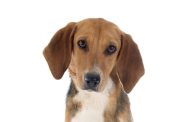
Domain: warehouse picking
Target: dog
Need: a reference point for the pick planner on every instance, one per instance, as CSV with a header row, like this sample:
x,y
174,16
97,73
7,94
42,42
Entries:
x,y
104,64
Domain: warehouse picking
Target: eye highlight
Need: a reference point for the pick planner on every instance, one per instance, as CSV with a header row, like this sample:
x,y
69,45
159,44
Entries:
x,y
110,50
82,44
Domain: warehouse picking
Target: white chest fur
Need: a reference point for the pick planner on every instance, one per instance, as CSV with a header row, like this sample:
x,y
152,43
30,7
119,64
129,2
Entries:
x,y
93,105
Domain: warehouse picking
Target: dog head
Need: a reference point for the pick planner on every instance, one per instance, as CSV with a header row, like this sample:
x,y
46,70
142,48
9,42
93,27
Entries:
x,y
94,50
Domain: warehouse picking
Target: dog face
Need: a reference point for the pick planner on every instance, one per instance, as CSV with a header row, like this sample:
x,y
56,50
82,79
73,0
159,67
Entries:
x,y
96,45
94,50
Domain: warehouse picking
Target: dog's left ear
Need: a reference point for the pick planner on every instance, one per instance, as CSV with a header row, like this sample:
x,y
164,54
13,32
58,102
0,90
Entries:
x,y
58,51
129,65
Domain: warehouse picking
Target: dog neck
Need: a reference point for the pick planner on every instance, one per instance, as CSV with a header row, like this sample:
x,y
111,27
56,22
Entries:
x,y
89,106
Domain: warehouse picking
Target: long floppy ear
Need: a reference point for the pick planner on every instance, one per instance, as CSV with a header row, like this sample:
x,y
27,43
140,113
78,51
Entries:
x,y
129,65
58,51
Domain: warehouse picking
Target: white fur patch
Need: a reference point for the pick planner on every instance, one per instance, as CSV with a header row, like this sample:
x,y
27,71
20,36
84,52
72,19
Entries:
x,y
93,104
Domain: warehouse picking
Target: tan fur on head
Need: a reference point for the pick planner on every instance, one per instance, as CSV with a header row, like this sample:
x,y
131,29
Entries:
x,y
63,52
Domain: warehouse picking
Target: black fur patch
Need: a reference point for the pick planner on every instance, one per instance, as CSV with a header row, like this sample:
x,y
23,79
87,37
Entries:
x,y
122,106
71,105
122,103
72,90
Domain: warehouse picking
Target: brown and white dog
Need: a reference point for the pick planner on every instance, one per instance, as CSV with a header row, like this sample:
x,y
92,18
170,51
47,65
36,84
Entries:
x,y
104,64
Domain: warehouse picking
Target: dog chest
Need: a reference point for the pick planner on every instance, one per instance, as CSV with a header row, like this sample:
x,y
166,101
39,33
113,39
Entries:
x,y
93,105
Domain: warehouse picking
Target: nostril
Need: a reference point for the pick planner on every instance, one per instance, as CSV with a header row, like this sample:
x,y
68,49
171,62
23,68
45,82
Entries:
x,y
95,83
87,81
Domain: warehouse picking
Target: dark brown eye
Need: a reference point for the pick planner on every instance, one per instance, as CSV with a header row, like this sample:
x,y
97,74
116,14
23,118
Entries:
x,y
110,49
82,44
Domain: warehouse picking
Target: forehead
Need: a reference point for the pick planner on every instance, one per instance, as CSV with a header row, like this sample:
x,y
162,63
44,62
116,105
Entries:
x,y
97,29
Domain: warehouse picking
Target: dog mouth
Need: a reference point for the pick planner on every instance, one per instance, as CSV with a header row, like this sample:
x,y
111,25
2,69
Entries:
x,y
93,89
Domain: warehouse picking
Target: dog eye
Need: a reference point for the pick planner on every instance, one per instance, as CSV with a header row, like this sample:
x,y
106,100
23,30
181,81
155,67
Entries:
x,y
82,44
110,49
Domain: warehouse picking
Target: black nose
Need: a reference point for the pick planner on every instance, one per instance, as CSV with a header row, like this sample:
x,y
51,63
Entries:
x,y
91,80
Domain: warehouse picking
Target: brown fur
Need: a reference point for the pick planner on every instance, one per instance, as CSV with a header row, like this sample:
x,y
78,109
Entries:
x,y
125,66
58,51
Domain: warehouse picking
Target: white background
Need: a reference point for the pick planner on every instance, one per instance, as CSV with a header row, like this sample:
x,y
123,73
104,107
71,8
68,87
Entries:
x,y
29,93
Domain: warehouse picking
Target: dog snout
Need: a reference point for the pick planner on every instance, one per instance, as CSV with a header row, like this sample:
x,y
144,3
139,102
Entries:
x,y
92,80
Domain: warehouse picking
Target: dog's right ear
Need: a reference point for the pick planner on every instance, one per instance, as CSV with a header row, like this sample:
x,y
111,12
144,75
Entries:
x,y
58,51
